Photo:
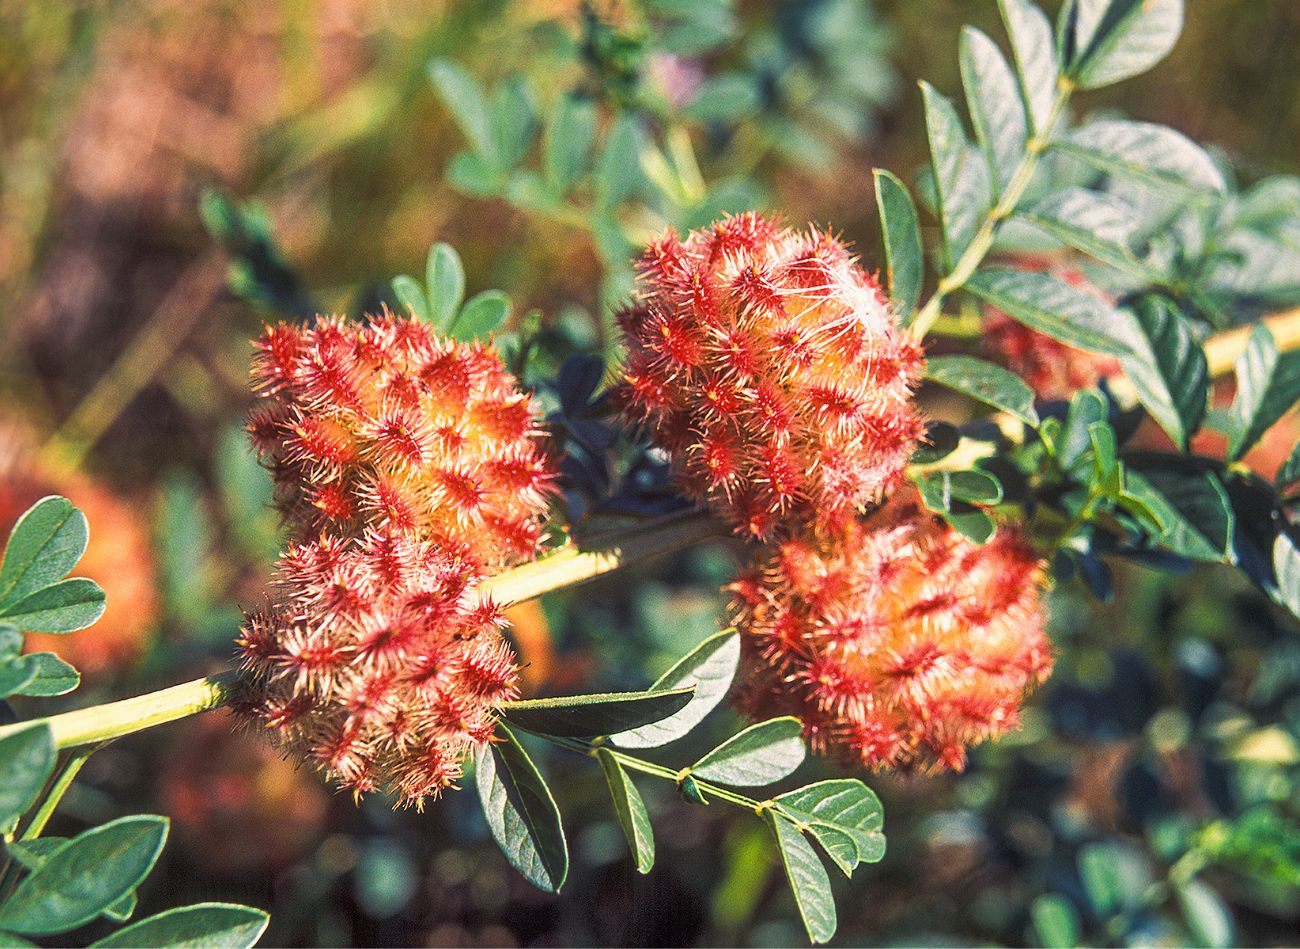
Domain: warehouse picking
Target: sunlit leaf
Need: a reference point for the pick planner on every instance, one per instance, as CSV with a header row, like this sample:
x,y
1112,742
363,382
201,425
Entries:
x,y
986,382
996,108
201,926
581,716
521,812
1154,155
901,239
807,877
85,876
629,807
757,756
44,545
709,669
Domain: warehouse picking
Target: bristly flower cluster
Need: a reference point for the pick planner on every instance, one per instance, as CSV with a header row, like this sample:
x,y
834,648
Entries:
x,y
408,468
384,426
377,663
898,642
1054,370
771,368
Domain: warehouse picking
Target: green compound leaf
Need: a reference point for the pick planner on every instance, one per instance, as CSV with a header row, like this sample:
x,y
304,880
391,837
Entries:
x,y
26,761
484,313
1035,57
942,489
1168,369
444,280
15,676
1052,306
514,120
996,108
462,94
50,676
33,853
1268,386
1193,506
960,203
44,545
757,756
567,142
808,878
584,716
632,815
901,237
521,812
1056,921
59,608
85,876
410,298
618,167
709,668
844,815
201,926
1098,224
1154,155
985,382
1116,39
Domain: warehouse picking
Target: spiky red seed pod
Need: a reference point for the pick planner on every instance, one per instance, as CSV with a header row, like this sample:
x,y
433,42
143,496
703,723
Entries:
x,y
1054,370
898,642
377,661
382,424
769,365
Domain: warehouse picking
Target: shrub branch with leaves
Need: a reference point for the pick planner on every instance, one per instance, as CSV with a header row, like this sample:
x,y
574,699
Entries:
x,y
893,569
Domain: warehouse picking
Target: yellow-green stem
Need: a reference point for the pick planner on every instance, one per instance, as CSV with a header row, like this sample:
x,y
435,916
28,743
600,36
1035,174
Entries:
x,y
982,241
576,563
57,790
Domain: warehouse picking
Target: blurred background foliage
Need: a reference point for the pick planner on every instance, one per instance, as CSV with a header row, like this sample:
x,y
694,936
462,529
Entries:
x,y
172,174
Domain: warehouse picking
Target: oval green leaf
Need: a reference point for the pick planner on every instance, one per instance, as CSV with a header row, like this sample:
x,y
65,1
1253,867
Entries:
x,y
709,669
410,298
901,239
521,812
808,879
1052,306
15,676
484,313
757,756
50,675
1116,39
566,144
85,876
996,109
845,806
1168,369
941,490
444,277
1268,386
584,716
986,382
1153,155
632,815
26,760
1035,57
59,608
960,201
201,926
44,545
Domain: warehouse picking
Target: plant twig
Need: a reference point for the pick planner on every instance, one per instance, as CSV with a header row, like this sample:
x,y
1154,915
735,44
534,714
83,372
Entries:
x,y
574,564
982,241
